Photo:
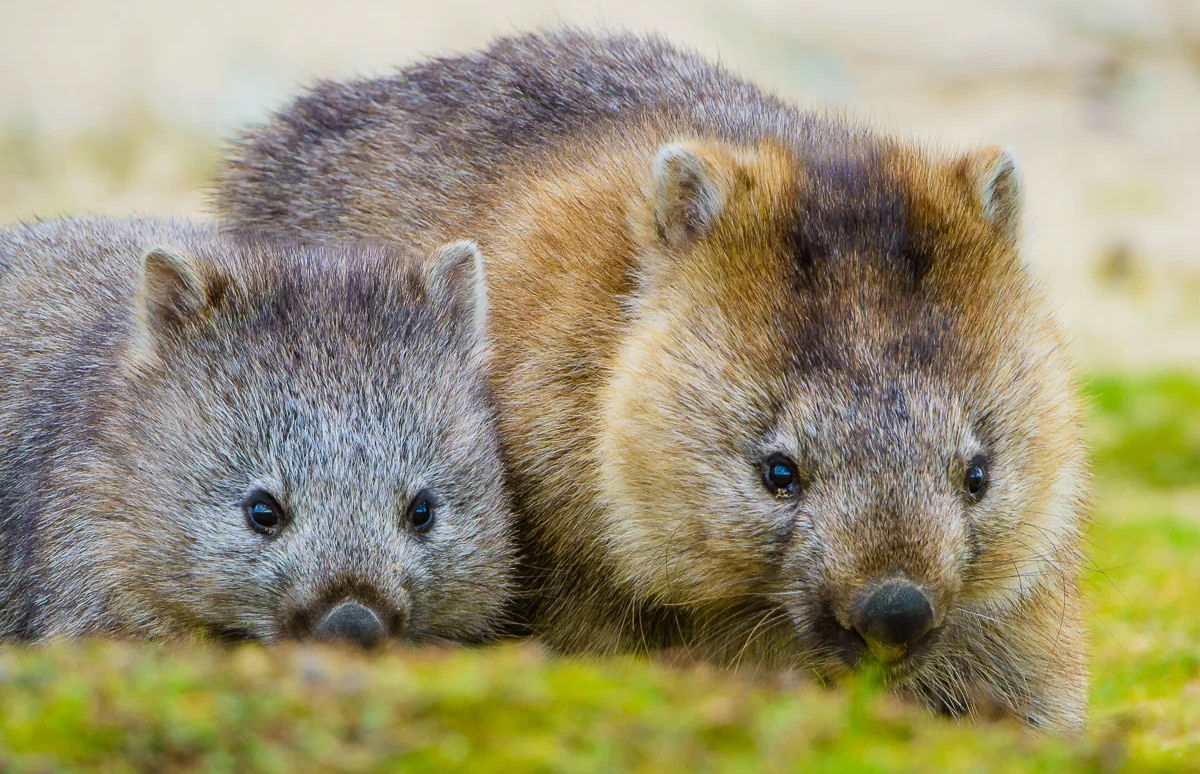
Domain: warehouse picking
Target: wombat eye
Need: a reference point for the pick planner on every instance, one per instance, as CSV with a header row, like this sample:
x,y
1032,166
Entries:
x,y
780,476
975,480
263,512
420,512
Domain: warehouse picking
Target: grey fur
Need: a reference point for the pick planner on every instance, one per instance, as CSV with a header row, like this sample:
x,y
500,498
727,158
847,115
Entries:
x,y
440,127
133,422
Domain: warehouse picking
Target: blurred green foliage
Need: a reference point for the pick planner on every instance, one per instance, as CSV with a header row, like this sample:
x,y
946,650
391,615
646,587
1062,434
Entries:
x,y
1146,429
117,707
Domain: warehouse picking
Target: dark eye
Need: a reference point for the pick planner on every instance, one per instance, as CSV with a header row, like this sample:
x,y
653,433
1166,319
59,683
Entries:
x,y
975,480
420,512
780,476
263,512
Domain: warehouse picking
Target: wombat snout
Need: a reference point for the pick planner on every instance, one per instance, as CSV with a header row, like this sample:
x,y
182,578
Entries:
x,y
354,623
893,617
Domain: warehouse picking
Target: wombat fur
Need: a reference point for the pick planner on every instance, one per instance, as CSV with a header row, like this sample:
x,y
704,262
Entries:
x,y
698,292
156,376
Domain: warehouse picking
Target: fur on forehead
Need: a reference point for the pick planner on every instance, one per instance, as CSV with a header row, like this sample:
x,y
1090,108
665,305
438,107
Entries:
x,y
351,311
912,216
350,274
863,258
832,204
368,288
889,212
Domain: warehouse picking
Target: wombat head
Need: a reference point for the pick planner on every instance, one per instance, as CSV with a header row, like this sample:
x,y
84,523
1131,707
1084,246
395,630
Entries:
x,y
307,448
843,407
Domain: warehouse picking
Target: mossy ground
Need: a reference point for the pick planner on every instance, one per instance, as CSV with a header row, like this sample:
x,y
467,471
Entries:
x,y
117,707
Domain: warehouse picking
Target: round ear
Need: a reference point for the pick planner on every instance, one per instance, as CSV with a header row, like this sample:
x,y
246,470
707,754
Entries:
x,y
688,194
455,272
175,287
993,180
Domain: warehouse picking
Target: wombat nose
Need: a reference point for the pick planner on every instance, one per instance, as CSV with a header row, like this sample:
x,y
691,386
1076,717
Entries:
x,y
352,622
894,617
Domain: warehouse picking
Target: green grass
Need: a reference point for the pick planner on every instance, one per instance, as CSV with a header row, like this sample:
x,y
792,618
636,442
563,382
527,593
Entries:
x,y
1146,430
135,707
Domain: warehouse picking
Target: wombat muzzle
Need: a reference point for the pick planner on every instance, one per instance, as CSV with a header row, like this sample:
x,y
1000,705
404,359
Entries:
x,y
894,617
351,622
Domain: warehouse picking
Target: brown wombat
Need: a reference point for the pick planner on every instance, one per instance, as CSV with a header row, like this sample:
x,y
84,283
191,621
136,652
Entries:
x,y
207,435
771,387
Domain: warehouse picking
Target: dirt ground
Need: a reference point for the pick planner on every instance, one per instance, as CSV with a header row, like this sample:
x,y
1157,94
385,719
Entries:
x,y
121,106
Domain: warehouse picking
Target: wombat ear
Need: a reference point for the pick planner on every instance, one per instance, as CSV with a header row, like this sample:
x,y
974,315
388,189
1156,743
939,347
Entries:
x,y
688,195
175,287
993,178
456,270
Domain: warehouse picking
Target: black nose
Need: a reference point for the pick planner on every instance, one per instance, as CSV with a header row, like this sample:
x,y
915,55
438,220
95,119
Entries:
x,y
894,617
352,622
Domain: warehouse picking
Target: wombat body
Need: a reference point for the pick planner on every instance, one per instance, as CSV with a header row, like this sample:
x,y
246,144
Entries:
x,y
214,436
771,388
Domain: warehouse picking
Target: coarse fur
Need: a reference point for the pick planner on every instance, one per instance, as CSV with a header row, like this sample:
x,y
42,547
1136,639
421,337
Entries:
x,y
154,373
687,276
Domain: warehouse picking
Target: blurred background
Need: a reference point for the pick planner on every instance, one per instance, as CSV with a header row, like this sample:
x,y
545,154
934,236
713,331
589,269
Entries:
x,y
122,106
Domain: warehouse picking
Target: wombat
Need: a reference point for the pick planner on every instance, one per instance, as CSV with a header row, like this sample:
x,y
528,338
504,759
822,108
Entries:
x,y
207,435
772,388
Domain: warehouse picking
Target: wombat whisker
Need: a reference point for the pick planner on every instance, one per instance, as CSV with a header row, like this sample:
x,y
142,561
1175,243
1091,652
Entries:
x,y
1054,648
697,601
977,614
750,638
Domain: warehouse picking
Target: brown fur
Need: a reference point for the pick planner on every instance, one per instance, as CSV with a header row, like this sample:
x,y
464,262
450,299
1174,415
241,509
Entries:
x,y
688,275
153,376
